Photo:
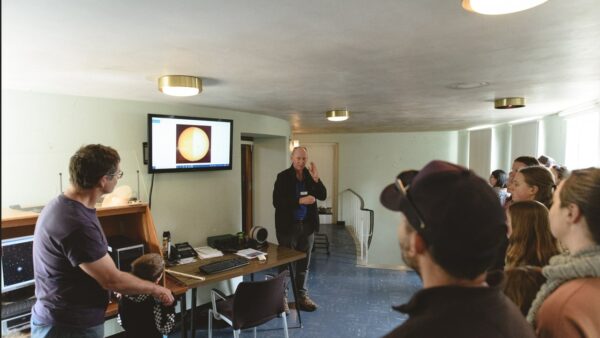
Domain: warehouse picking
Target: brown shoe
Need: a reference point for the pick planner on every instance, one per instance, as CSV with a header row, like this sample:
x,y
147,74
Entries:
x,y
306,304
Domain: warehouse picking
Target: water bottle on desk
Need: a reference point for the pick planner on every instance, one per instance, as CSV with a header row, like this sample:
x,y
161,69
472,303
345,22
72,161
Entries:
x,y
166,245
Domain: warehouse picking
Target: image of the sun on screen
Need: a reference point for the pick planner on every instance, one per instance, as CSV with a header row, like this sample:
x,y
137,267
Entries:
x,y
186,143
193,144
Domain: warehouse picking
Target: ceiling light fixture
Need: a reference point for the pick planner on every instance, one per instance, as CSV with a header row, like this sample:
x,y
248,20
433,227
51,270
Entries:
x,y
337,115
509,103
180,85
495,7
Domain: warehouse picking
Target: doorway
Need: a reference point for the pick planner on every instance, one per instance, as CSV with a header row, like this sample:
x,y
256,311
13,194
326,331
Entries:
x,y
325,157
247,181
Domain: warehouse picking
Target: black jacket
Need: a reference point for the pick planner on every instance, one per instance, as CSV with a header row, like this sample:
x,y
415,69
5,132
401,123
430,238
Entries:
x,y
466,312
286,202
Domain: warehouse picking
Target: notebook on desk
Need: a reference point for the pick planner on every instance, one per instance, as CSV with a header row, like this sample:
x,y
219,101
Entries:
x,y
205,252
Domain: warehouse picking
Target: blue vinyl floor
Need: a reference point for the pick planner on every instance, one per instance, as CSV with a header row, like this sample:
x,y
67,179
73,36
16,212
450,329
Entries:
x,y
354,301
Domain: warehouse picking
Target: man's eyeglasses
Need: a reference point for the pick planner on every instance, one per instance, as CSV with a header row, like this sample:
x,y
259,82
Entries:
x,y
118,174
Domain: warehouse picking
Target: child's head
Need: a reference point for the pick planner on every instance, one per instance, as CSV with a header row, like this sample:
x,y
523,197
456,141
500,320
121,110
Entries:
x,y
149,267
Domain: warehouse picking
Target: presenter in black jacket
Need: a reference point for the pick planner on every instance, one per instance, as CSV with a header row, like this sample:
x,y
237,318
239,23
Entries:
x,y
296,217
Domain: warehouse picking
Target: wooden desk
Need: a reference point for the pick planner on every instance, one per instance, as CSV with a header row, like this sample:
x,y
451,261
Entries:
x,y
133,221
276,256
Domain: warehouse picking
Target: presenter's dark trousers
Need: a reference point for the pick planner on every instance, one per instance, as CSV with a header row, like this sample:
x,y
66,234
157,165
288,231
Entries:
x,y
298,240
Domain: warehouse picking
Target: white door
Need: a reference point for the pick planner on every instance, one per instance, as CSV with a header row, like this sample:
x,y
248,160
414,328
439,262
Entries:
x,y
324,155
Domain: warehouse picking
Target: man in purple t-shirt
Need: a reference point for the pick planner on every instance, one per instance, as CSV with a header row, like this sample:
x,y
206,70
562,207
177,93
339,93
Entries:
x,y
73,270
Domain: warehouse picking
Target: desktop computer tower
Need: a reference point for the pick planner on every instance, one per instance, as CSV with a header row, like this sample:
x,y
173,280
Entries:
x,y
124,251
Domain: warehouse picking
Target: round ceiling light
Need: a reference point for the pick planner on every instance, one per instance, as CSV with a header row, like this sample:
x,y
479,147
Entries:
x,y
180,85
337,115
495,7
509,103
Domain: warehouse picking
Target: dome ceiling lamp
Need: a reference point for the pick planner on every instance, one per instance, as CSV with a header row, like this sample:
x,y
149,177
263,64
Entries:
x,y
509,103
180,85
337,115
497,7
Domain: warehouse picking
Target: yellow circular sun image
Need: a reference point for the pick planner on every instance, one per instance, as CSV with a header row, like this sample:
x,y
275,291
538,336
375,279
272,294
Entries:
x,y
193,144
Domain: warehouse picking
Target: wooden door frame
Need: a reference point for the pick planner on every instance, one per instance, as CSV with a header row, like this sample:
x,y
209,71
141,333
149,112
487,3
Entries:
x,y
247,182
334,184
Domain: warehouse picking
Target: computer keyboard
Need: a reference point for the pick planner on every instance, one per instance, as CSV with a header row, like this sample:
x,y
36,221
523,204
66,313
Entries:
x,y
17,308
224,265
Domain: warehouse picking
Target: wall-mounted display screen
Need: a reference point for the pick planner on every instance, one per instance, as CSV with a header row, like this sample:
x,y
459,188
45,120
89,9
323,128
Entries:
x,y
184,143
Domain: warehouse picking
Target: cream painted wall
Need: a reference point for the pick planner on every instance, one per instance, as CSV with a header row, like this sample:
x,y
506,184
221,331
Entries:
x,y
501,148
552,141
369,162
41,131
463,148
271,155
480,143
555,137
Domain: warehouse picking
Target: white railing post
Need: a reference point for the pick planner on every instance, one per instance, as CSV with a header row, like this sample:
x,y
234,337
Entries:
x,y
358,220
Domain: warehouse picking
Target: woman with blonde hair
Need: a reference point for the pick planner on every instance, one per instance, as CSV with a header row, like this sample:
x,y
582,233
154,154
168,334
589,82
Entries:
x,y
530,239
568,303
521,284
530,247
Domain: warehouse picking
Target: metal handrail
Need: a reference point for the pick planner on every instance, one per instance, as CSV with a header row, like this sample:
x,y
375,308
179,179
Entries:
x,y
371,215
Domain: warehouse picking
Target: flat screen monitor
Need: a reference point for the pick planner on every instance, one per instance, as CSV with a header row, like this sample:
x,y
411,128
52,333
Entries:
x,y
184,143
17,263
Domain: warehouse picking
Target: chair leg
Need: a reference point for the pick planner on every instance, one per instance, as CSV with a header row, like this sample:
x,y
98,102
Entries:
x,y
285,328
236,333
210,315
255,332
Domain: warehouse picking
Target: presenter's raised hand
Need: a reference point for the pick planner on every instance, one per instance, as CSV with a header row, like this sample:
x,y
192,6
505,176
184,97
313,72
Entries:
x,y
314,172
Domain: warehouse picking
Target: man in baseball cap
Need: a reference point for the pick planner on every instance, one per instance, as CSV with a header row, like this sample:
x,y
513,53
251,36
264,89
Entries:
x,y
450,230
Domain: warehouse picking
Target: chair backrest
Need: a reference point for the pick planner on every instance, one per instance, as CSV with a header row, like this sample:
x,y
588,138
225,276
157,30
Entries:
x,y
258,302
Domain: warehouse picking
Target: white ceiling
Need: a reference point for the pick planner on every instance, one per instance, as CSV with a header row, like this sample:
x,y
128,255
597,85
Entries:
x,y
391,63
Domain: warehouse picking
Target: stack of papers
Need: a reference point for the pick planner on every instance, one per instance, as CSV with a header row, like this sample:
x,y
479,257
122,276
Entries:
x,y
186,260
205,252
250,253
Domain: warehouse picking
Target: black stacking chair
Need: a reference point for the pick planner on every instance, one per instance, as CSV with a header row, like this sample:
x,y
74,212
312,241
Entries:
x,y
252,304
321,242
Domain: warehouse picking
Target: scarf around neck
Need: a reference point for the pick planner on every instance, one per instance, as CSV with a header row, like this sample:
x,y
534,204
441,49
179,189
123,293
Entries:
x,y
563,268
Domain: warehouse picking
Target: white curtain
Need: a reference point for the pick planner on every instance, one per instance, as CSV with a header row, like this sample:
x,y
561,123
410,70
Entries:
x,y
525,140
480,152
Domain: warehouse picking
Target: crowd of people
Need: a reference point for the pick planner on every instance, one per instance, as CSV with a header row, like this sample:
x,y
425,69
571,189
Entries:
x,y
517,256
521,259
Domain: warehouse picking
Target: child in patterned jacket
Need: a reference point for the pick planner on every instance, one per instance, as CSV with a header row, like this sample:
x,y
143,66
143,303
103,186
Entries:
x,y
142,315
